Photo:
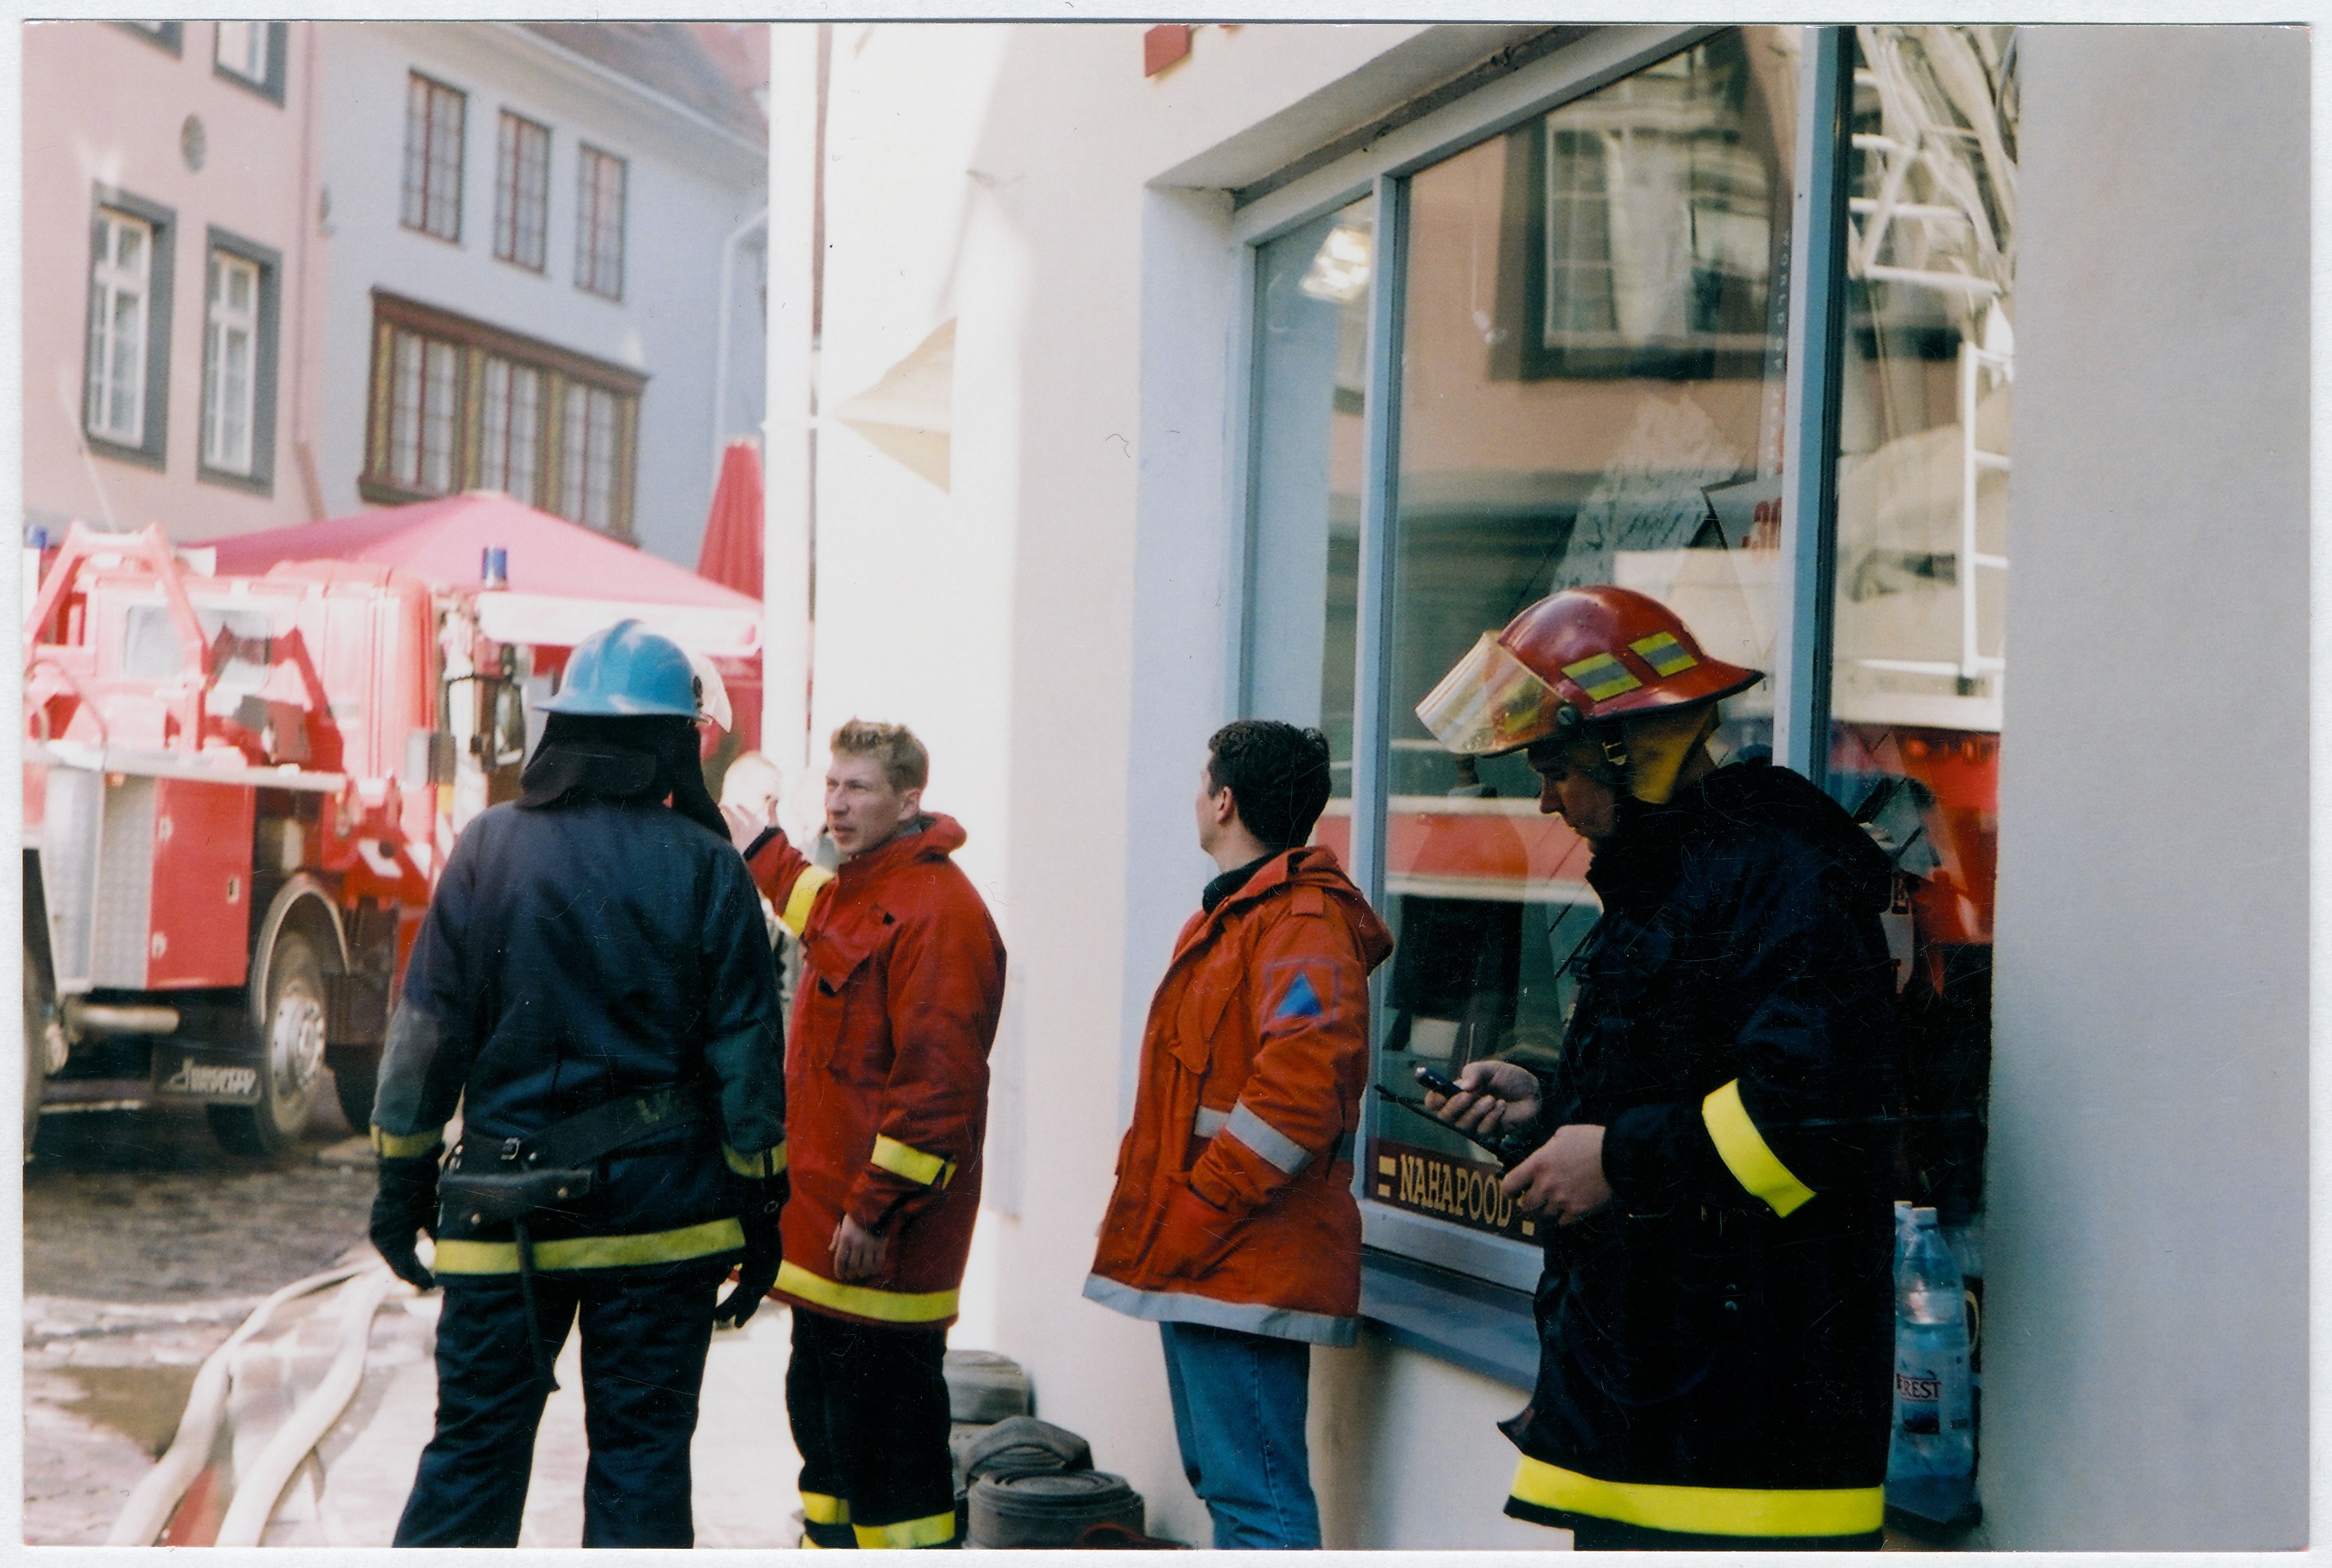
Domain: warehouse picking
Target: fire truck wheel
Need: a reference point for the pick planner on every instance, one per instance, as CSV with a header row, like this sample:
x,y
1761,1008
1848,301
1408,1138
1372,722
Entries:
x,y
292,1059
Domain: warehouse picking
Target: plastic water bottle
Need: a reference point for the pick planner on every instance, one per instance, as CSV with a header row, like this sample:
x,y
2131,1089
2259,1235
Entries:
x,y
1931,1461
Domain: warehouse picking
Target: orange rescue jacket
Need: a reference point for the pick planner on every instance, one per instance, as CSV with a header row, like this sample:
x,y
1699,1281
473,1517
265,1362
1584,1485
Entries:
x,y
1234,1203
886,1068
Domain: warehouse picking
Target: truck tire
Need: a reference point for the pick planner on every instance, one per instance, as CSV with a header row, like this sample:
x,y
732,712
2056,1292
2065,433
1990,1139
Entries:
x,y
291,1055
36,1048
354,1083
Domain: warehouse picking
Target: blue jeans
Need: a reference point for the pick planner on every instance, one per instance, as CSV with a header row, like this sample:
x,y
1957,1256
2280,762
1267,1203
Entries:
x,y
1239,1401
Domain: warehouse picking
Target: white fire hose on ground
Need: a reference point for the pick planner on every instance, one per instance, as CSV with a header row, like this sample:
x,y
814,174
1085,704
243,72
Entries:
x,y
158,1495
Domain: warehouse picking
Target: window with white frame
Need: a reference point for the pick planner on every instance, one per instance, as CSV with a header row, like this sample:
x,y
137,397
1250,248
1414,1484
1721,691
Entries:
x,y
230,364
522,191
459,403
121,313
243,48
434,117
599,223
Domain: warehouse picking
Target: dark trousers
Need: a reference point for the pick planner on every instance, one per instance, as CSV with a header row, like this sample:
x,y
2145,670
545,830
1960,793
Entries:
x,y
1610,1535
869,1409
645,1333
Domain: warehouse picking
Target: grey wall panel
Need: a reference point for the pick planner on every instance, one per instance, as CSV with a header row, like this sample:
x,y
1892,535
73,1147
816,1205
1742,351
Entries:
x,y
2147,1354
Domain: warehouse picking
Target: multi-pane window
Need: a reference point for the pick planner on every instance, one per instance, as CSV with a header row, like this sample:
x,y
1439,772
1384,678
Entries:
x,y
230,364
120,296
458,403
510,454
433,158
243,48
522,191
599,223
588,465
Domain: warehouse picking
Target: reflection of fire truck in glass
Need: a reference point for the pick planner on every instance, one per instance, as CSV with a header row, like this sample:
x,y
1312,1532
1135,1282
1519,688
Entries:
x,y
238,792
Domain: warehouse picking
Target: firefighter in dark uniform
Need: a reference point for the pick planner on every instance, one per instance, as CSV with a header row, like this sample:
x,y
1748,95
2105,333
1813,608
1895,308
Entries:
x,y
592,987
1716,1316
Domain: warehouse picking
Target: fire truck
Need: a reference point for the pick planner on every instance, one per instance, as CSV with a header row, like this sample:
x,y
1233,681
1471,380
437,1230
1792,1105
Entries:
x,y
238,791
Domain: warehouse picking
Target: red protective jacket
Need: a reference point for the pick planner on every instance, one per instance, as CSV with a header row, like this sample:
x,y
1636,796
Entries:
x,y
886,1068
1234,1201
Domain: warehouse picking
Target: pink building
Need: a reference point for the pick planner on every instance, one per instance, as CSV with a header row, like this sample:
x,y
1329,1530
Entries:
x,y
173,269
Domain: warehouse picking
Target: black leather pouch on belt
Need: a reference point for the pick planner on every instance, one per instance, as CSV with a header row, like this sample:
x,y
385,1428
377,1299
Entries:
x,y
475,1198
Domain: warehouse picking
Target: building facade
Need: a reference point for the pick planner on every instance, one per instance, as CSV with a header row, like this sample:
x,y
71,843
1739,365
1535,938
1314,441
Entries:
x,y
547,269
1258,371
172,289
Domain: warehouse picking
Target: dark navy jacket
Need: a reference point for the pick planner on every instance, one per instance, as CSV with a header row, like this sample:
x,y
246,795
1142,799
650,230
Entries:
x,y
1725,1323
572,956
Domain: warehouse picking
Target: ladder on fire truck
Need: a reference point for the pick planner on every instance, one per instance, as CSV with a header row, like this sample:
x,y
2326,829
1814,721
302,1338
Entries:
x,y
1947,245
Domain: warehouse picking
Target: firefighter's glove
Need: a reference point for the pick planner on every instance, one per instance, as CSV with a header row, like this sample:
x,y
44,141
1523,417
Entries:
x,y
1193,1236
406,1202
758,1269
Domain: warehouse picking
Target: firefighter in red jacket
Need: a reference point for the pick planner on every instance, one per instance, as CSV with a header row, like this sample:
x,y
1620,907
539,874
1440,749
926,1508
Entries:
x,y
902,979
1233,1225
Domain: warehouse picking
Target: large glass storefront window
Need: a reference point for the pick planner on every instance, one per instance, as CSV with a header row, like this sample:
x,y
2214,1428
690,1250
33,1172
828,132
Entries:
x,y
1923,559
1592,379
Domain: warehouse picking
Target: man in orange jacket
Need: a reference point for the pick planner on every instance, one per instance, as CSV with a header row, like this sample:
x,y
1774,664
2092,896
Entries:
x,y
903,980
1233,1225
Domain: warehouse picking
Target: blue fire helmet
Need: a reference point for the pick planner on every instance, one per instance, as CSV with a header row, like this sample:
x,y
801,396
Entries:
x,y
626,671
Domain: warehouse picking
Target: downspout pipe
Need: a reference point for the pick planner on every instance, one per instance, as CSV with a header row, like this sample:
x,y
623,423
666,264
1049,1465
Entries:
x,y
737,236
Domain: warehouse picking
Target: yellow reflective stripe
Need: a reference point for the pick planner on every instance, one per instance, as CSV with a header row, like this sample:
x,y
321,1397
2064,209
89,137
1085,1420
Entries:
x,y
1703,1510
407,1145
1664,654
460,1257
795,913
751,1165
931,1169
820,1509
936,1530
1747,1155
1600,676
863,1301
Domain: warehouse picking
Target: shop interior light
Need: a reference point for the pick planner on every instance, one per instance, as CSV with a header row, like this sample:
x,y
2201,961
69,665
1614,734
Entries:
x,y
1340,271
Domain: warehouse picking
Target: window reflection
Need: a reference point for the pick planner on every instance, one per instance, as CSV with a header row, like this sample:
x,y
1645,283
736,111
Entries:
x,y
1592,393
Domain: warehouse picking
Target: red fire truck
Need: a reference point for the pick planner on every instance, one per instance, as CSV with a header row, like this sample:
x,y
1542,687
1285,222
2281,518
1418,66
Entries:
x,y
237,793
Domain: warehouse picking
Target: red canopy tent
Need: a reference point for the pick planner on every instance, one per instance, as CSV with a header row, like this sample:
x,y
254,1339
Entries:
x,y
564,581
731,555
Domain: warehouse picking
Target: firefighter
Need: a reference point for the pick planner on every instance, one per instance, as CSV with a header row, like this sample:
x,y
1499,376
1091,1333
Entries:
x,y
1715,1313
902,984
592,987
1233,1225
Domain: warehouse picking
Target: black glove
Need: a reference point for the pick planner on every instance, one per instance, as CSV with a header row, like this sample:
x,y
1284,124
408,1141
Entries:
x,y
758,1270
406,1202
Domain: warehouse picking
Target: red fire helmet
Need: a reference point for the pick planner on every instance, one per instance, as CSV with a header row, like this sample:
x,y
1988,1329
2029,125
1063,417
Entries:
x,y
1608,652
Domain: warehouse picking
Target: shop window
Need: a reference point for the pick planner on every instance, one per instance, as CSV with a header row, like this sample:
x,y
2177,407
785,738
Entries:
x,y
251,54
434,116
458,403
127,372
240,332
599,223
1918,651
522,191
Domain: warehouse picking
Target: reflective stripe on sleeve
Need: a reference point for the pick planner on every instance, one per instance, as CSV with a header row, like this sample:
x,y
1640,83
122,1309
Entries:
x,y
1746,1153
762,1163
795,913
1269,1142
820,1509
406,1145
1701,1510
930,1169
1209,1122
932,1530
865,1301
714,1236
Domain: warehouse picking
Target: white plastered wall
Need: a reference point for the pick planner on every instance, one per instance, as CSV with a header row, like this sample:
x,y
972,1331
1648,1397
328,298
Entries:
x,y
1058,624
2146,1351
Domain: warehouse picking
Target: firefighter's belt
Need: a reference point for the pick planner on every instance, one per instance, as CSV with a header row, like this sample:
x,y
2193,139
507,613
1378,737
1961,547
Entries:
x,y
554,1166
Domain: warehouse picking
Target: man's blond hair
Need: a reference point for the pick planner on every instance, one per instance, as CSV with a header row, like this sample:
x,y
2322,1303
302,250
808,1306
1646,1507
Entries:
x,y
905,764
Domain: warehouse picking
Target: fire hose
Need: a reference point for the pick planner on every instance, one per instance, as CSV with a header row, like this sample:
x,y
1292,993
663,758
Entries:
x,y
157,1496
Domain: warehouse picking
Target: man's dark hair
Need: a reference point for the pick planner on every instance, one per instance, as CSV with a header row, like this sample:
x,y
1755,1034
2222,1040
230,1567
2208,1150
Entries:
x,y
1276,773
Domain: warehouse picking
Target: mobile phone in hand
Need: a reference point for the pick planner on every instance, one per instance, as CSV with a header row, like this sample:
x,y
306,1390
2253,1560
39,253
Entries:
x,y
1438,1082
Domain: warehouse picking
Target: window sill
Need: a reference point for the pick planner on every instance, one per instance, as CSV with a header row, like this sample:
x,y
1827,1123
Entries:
x,y
260,484
1483,1328
271,91
383,492
142,456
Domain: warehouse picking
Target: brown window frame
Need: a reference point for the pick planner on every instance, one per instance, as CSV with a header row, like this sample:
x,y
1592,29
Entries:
x,y
474,343
599,241
422,201
522,216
